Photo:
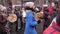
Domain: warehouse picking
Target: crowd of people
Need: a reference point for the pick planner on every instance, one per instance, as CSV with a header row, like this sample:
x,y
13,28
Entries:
x,y
27,16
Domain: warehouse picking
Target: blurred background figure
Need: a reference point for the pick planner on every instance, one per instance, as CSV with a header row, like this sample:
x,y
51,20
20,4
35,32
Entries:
x,y
55,24
3,21
9,10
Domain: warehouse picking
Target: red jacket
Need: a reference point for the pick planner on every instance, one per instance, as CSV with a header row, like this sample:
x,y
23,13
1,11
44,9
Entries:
x,y
51,9
54,29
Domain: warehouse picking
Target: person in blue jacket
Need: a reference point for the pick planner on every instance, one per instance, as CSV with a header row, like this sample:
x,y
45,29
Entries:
x,y
31,23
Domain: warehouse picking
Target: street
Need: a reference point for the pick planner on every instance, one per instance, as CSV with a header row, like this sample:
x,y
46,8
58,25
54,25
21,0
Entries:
x,y
39,29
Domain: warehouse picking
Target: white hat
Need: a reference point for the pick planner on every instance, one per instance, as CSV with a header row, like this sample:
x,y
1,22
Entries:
x,y
29,4
2,8
45,5
53,4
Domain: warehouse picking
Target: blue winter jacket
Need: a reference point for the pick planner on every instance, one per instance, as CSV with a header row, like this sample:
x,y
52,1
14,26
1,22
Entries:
x,y
31,23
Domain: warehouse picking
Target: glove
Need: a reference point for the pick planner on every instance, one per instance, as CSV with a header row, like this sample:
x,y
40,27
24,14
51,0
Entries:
x,y
38,21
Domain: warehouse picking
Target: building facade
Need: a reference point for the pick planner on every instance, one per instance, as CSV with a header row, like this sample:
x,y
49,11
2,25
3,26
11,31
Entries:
x,y
17,2
9,3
